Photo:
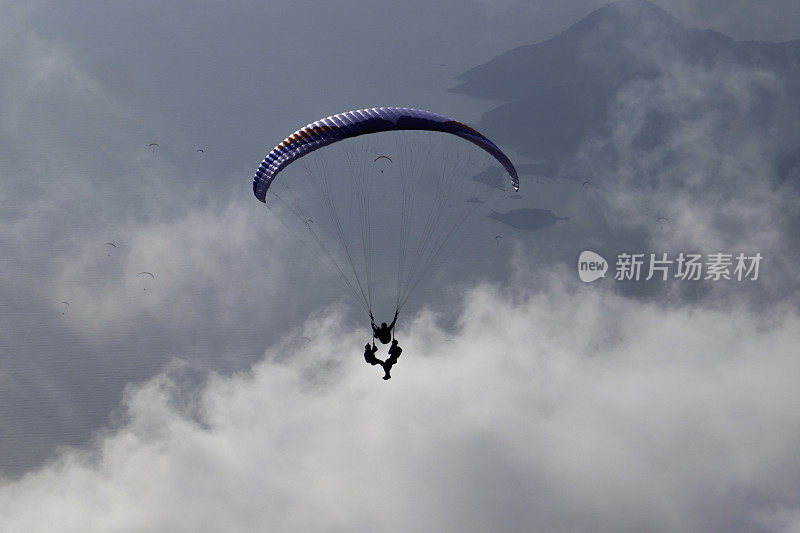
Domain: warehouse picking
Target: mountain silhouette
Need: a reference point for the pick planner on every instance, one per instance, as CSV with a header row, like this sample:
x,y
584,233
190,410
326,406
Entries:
x,y
559,92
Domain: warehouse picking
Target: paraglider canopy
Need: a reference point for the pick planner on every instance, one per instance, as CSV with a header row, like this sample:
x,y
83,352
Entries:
x,y
362,122
392,233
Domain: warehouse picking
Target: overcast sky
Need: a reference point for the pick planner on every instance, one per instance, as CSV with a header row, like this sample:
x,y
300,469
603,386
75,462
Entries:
x,y
230,393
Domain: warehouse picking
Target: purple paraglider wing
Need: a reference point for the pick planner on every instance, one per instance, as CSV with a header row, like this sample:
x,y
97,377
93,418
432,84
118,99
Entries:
x,y
361,122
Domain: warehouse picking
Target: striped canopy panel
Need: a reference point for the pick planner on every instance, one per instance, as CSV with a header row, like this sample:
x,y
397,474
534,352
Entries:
x,y
354,123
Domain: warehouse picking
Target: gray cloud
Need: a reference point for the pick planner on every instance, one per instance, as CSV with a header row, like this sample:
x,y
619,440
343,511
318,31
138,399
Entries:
x,y
770,21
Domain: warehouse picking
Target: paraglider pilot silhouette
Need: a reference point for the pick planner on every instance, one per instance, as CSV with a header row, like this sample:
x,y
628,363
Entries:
x,y
394,354
383,333
369,354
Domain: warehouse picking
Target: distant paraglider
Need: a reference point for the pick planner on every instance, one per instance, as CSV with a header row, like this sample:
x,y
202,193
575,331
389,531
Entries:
x,y
153,147
386,157
144,274
65,308
110,244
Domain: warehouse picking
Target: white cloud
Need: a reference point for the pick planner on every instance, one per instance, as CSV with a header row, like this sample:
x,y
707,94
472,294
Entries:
x,y
563,410
210,258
